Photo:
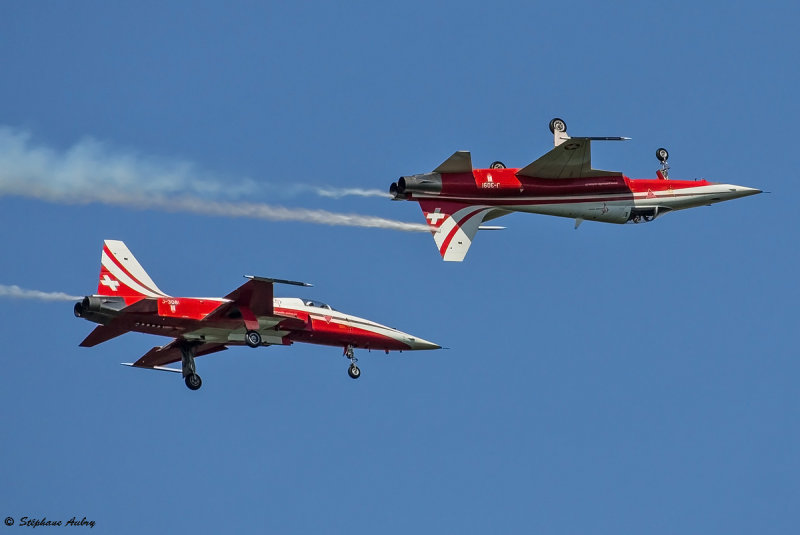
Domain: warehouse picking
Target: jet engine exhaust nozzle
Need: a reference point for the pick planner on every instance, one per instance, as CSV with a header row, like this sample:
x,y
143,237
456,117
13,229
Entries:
x,y
93,306
430,183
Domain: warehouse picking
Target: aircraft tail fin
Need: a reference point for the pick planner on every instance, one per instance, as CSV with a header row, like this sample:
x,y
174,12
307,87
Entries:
x,y
122,275
454,225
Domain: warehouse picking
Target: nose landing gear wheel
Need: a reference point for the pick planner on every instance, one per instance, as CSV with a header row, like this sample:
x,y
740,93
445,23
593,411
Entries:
x,y
252,338
193,381
662,155
354,371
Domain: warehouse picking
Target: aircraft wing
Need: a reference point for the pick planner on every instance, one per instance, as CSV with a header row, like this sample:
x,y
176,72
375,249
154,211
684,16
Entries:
x,y
454,225
161,355
571,159
250,300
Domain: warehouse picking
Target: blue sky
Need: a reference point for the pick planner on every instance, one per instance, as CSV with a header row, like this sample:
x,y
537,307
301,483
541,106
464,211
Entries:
x,y
611,379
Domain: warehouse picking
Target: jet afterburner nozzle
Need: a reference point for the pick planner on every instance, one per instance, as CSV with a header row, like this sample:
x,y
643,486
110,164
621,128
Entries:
x,y
425,183
94,307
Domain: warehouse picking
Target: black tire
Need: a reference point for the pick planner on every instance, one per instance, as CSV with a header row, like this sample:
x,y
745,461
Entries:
x,y
354,371
497,165
662,154
193,381
252,338
558,125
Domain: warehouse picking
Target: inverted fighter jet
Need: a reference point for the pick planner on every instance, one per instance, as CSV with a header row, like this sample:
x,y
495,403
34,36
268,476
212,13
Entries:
x,y
127,300
456,199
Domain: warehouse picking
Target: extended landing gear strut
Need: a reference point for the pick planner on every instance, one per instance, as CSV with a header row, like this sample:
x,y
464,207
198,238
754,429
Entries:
x,y
662,156
190,376
353,371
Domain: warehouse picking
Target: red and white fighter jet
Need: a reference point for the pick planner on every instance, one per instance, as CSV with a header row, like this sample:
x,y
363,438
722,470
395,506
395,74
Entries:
x,y
127,300
456,199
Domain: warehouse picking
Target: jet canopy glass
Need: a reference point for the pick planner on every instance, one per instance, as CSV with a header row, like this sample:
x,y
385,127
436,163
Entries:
x,y
317,304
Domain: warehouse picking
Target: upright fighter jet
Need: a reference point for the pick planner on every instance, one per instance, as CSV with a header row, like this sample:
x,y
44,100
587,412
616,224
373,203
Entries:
x,y
456,199
127,300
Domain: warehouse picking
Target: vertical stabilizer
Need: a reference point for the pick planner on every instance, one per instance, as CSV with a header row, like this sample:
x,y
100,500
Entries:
x,y
122,275
454,225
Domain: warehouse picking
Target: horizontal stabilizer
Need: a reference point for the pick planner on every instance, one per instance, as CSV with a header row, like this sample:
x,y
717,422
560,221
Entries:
x,y
100,334
459,162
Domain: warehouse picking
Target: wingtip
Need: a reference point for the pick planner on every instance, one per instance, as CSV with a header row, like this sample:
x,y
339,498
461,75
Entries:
x,y
277,281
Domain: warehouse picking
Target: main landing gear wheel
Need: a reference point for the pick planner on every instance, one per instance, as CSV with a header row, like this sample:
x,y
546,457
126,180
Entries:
x,y
252,338
558,125
193,381
187,366
354,371
497,165
662,155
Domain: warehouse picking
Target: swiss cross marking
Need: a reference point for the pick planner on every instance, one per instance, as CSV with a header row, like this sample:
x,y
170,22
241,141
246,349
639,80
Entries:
x,y
435,216
108,281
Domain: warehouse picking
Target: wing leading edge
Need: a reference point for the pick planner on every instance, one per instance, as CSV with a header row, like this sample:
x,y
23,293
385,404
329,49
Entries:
x,y
171,352
570,159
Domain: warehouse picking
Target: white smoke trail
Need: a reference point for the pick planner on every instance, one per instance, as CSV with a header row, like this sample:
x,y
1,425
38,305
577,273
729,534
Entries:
x,y
92,172
20,293
196,205
338,193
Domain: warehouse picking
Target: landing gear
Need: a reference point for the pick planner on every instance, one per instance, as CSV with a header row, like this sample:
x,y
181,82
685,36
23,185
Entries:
x,y
252,338
353,371
193,381
662,156
190,376
558,125
497,165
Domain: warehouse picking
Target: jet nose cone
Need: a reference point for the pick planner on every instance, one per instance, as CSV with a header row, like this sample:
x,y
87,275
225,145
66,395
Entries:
x,y
742,191
419,343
